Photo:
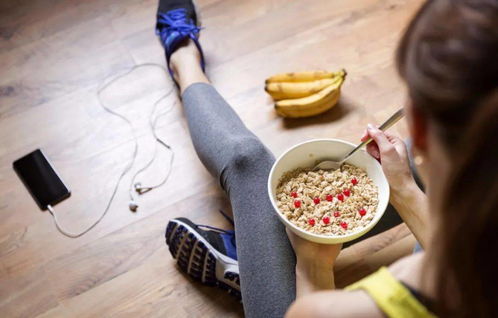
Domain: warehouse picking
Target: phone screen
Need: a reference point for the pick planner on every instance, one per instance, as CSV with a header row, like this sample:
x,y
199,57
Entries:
x,y
41,179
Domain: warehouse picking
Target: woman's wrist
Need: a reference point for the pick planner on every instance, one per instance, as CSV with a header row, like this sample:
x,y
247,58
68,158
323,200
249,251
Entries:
x,y
411,204
317,275
407,191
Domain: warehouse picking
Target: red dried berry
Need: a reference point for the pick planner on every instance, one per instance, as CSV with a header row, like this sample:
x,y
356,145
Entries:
x,y
354,181
340,197
294,194
347,192
316,200
311,222
329,197
337,214
297,203
326,220
362,212
344,225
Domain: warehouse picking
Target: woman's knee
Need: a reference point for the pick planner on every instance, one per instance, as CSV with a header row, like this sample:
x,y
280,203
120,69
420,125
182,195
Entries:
x,y
249,153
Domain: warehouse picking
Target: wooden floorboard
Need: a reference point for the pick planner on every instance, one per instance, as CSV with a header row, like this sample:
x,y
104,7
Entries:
x,y
54,54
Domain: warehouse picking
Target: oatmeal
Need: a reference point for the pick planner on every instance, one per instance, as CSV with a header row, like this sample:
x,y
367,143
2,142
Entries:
x,y
330,202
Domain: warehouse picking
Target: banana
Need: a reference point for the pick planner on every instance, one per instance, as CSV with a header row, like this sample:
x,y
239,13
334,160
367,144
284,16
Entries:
x,y
285,90
312,105
304,76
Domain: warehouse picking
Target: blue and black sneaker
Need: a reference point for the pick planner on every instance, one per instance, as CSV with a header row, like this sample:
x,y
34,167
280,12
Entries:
x,y
177,21
205,253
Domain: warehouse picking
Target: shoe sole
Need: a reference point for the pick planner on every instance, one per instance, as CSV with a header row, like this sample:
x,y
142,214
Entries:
x,y
200,260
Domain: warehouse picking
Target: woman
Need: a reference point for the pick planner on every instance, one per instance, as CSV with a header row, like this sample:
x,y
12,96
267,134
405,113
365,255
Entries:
x,y
447,58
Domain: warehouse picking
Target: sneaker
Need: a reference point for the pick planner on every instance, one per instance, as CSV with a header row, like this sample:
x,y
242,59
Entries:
x,y
177,22
205,253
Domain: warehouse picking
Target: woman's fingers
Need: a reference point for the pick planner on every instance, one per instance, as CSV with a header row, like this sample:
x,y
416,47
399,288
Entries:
x,y
371,147
365,136
399,144
373,150
383,143
393,138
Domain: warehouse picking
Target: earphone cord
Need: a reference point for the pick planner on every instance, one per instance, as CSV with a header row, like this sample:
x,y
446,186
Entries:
x,y
130,164
152,123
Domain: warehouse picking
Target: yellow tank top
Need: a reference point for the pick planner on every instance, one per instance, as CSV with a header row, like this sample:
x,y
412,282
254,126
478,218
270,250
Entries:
x,y
394,299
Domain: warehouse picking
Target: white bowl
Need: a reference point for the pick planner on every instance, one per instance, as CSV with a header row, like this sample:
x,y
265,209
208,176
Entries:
x,y
305,155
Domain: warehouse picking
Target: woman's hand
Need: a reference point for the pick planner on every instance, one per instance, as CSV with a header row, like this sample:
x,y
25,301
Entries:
x,y
406,196
314,264
392,154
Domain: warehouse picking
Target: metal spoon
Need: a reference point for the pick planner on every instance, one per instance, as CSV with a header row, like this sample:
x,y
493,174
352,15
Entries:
x,y
333,165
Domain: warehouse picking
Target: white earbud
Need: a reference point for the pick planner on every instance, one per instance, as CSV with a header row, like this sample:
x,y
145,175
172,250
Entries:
x,y
133,206
141,190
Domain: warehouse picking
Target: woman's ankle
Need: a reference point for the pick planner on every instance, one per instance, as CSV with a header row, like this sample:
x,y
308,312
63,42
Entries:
x,y
186,65
189,77
185,57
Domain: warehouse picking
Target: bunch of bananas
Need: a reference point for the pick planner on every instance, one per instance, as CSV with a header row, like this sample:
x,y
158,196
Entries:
x,y
305,94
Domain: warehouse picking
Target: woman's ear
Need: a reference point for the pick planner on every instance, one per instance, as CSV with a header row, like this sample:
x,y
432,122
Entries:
x,y
418,126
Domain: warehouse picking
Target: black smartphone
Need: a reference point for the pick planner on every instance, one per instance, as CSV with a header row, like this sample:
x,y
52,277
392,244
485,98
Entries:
x,y
38,175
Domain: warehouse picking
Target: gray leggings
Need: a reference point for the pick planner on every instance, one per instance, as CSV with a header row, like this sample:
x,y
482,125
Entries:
x,y
235,156
241,162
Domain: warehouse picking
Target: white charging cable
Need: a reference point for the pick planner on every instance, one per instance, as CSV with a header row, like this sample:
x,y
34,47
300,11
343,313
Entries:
x,y
130,164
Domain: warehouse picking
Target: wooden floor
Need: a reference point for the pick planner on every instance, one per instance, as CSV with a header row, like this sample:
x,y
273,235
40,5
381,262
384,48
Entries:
x,y
53,56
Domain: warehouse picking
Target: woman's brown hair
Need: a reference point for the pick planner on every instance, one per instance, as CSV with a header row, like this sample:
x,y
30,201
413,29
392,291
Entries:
x,y
448,57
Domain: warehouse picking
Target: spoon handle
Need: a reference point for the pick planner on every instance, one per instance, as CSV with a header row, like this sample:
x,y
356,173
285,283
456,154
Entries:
x,y
388,123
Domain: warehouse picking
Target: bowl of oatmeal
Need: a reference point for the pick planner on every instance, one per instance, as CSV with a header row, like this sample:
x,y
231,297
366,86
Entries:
x,y
328,206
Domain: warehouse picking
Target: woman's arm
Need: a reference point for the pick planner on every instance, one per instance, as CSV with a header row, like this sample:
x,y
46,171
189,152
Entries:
x,y
312,277
406,196
339,303
314,264
411,204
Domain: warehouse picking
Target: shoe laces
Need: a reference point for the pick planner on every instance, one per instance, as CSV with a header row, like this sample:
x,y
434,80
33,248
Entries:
x,y
176,20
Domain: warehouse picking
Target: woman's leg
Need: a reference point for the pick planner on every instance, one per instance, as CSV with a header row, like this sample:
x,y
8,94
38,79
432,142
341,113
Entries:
x,y
242,163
